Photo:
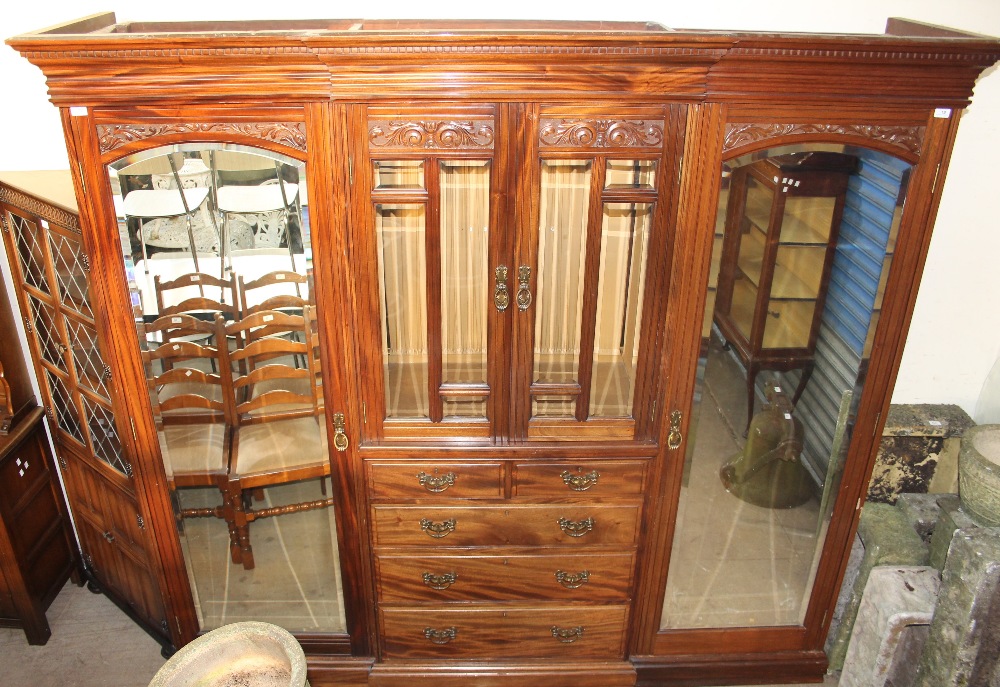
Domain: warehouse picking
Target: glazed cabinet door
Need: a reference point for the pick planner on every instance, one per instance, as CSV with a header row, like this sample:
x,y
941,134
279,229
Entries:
x,y
591,245
52,272
506,251
431,185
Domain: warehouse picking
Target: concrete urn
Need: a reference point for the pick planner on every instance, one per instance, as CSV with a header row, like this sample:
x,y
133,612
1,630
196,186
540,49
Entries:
x,y
979,474
248,654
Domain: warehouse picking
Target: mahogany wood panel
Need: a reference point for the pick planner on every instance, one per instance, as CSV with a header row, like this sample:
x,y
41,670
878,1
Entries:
x,y
536,525
418,480
561,632
591,577
591,479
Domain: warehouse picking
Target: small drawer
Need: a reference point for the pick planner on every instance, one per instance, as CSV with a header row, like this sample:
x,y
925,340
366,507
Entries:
x,y
393,481
534,525
563,577
558,632
588,479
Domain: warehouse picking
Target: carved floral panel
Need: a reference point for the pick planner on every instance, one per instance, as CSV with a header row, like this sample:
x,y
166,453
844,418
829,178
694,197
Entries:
x,y
907,138
291,134
445,134
600,133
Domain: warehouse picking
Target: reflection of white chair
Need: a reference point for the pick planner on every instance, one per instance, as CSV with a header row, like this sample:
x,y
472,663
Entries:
x,y
164,204
274,197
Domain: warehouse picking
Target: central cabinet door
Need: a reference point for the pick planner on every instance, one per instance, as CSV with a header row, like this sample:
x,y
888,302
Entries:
x,y
505,260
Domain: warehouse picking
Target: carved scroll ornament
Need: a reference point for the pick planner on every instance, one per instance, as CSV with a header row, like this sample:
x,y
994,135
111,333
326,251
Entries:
x,y
40,209
906,138
290,134
431,134
600,133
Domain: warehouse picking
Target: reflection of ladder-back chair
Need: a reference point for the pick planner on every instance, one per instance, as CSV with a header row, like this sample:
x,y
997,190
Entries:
x,y
274,195
192,407
195,294
149,204
279,437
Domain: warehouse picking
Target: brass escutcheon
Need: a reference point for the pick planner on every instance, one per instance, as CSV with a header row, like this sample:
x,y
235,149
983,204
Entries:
x,y
675,437
501,296
340,441
523,290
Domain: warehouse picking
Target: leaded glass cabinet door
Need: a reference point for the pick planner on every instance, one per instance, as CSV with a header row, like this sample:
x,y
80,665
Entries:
x,y
589,253
439,284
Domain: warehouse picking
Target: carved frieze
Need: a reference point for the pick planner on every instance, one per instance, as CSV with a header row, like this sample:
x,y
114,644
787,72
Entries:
x,y
448,134
907,138
291,134
599,133
32,205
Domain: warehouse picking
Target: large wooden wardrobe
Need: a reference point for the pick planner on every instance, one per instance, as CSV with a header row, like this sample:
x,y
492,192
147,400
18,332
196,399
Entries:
x,y
400,334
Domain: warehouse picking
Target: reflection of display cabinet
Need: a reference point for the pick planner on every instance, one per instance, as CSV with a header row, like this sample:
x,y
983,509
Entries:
x,y
782,223
511,231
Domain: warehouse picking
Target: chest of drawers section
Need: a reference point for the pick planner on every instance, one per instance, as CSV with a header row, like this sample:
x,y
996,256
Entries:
x,y
505,559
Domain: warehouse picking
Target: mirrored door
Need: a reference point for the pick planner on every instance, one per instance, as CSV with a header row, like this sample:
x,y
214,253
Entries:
x,y
216,248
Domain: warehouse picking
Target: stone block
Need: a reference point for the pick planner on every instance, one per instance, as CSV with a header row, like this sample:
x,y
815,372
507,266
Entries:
x,y
951,519
921,511
896,600
918,452
963,647
888,539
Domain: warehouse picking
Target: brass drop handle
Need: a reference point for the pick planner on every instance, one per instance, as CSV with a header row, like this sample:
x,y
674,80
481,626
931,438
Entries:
x,y
439,582
438,530
436,484
579,482
501,295
523,290
440,636
571,581
674,438
340,440
567,635
576,528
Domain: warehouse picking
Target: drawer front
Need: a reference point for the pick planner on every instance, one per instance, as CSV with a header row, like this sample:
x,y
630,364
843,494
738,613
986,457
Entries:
x,y
568,577
557,632
543,525
445,480
589,479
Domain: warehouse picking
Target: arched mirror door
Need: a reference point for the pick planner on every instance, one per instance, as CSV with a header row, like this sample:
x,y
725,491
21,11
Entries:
x,y
803,242
216,245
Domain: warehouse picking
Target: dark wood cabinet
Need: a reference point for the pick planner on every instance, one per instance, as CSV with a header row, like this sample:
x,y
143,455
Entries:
x,y
503,238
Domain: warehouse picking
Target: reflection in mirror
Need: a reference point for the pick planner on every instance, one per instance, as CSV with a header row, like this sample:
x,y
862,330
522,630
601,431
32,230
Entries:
x,y
216,245
803,241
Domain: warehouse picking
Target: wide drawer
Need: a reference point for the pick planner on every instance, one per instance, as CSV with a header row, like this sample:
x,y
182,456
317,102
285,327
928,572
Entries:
x,y
528,525
591,479
537,632
560,577
449,480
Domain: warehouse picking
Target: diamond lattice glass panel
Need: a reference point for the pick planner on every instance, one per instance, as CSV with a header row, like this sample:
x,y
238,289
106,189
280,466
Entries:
x,y
624,244
465,283
106,444
562,253
67,415
72,280
90,369
50,341
30,251
402,267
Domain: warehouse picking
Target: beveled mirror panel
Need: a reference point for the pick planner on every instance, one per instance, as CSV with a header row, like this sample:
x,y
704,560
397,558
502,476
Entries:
x,y
216,246
772,416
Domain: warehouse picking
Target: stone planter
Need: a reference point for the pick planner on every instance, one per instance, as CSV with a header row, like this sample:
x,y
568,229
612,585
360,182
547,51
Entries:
x,y
242,654
979,474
